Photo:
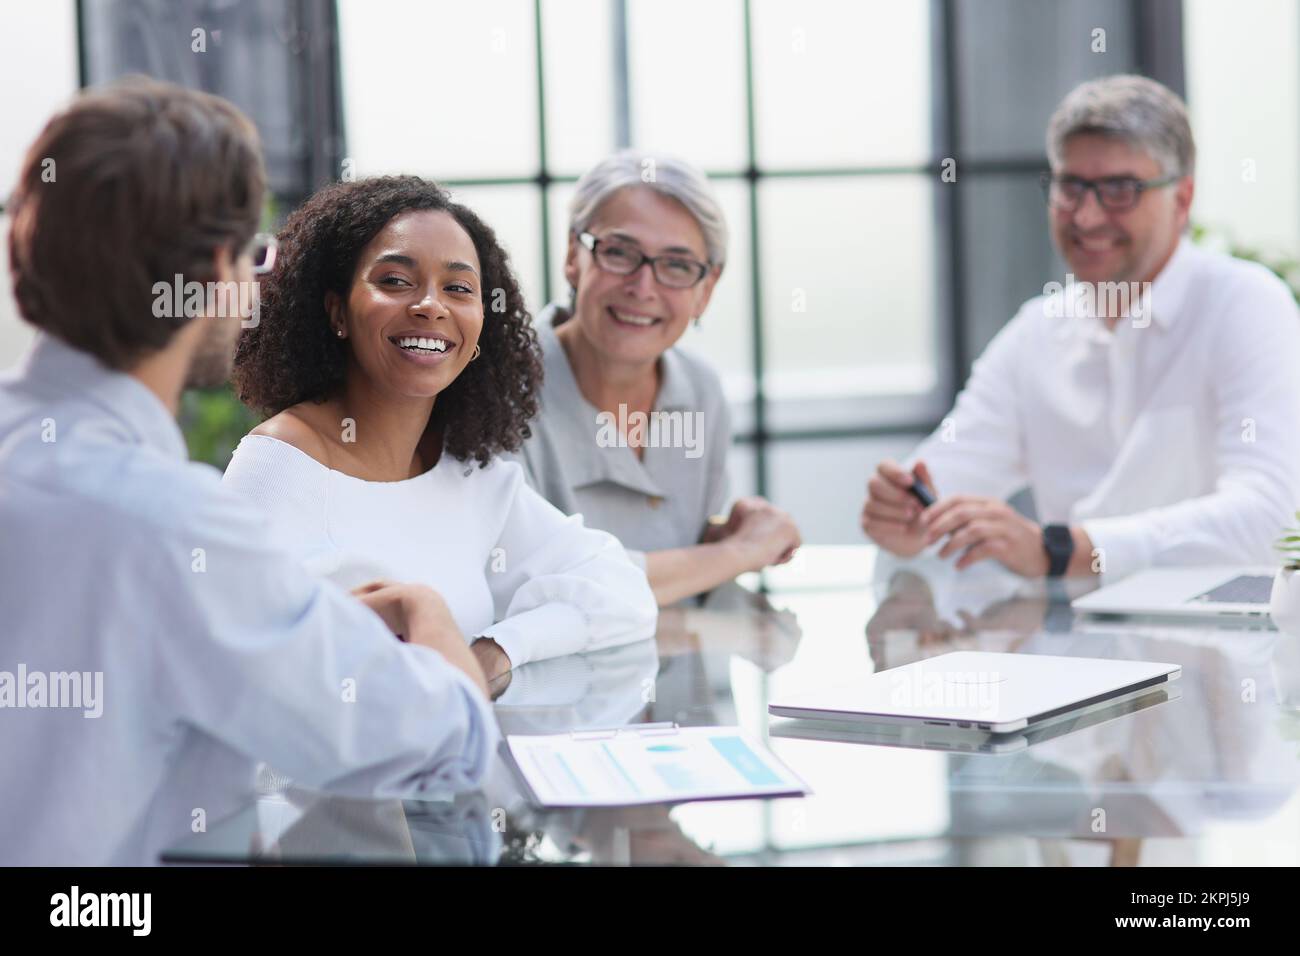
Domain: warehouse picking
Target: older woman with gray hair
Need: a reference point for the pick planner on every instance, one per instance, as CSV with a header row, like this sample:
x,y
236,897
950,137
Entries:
x,y
633,432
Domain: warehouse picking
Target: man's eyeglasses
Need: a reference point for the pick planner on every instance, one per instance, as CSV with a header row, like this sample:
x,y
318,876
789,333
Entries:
x,y
1116,193
623,258
262,251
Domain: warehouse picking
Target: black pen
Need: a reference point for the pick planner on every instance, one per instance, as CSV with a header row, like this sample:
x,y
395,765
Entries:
x,y
921,491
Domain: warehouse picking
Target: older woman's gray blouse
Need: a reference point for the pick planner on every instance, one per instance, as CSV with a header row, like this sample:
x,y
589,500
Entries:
x,y
576,460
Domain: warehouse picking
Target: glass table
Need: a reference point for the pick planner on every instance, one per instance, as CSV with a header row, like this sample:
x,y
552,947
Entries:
x,y
1205,773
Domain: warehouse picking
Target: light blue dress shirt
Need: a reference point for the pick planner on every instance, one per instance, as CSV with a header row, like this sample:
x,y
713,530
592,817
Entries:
x,y
181,642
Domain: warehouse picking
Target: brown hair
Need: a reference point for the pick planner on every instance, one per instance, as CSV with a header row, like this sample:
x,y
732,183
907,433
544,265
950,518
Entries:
x,y
131,185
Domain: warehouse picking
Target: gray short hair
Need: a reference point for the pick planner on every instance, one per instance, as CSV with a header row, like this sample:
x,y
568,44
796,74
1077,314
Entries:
x,y
1133,108
672,177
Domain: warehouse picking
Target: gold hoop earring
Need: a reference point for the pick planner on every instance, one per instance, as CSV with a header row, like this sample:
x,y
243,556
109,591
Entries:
x,y
477,352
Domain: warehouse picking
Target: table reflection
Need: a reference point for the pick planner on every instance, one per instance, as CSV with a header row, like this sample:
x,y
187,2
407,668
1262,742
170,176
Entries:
x,y
1204,771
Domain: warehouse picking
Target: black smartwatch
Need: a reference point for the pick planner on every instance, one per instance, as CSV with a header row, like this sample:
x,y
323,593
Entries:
x,y
1059,545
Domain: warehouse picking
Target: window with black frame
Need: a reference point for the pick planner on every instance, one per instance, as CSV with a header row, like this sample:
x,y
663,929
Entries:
x,y
878,164
824,321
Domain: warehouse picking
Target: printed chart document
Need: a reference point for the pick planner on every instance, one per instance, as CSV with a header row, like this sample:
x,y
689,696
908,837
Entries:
x,y
649,764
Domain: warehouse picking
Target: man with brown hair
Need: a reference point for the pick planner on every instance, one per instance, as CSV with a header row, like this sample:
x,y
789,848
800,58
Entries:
x,y
156,641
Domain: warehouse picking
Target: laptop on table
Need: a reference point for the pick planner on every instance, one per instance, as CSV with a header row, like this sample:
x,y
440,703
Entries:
x,y
1185,592
980,691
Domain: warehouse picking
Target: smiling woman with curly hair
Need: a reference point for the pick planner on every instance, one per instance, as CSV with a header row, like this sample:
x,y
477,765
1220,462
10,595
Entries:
x,y
395,359
295,354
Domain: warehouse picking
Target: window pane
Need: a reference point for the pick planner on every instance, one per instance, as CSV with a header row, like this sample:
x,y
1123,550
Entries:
x,y
830,515
741,468
439,88
250,55
841,84
38,72
1020,58
558,197
514,214
1009,255
578,62
725,334
1243,91
848,288
687,77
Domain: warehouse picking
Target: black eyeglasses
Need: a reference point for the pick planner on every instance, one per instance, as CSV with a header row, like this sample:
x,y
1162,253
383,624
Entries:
x,y
623,258
1115,193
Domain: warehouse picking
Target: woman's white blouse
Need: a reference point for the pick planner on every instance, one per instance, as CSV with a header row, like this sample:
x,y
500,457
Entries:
x,y
509,565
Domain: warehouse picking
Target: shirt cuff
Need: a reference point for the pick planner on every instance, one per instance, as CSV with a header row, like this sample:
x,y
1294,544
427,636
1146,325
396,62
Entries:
x,y
559,628
483,736
1121,545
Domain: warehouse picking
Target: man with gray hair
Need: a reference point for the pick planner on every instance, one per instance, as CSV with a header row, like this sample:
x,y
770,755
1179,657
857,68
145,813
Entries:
x,y
1150,402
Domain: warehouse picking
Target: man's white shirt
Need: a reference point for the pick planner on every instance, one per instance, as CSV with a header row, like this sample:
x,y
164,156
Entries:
x,y
1173,439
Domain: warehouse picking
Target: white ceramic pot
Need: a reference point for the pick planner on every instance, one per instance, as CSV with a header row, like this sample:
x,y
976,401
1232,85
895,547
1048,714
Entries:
x,y
1284,603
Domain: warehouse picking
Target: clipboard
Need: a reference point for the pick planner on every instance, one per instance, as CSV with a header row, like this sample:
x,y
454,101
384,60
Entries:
x,y
644,764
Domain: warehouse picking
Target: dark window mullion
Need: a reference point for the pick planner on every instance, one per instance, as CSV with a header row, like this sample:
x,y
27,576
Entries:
x,y
543,178
82,71
622,76
756,293
948,198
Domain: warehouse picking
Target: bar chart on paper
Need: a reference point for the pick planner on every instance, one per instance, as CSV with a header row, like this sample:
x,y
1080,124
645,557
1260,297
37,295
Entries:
x,y
640,766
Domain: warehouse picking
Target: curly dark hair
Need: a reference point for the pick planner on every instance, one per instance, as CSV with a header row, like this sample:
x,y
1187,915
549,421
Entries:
x,y
293,356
